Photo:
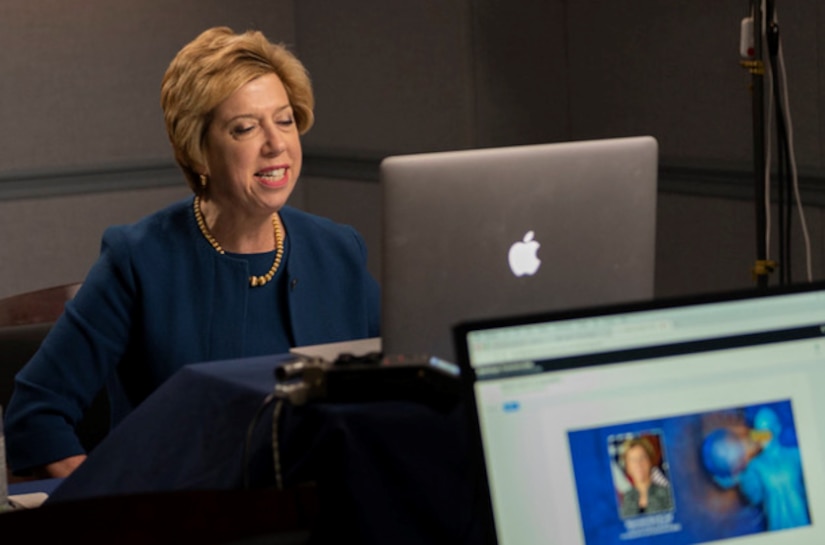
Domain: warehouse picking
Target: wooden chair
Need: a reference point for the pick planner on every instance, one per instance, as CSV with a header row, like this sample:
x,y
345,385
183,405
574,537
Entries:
x,y
25,320
36,307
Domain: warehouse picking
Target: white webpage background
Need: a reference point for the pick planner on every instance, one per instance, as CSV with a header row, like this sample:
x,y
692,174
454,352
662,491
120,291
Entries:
x,y
528,460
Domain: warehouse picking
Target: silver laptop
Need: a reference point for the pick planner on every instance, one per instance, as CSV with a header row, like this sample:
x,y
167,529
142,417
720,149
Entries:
x,y
488,232
691,420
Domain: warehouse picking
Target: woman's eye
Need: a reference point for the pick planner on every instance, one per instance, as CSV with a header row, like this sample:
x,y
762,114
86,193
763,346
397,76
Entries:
x,y
286,122
242,130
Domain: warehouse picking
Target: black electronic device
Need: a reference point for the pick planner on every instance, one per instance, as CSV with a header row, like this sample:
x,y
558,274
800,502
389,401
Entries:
x,y
370,377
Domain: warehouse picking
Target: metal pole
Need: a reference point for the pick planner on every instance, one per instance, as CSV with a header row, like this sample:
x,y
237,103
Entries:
x,y
757,70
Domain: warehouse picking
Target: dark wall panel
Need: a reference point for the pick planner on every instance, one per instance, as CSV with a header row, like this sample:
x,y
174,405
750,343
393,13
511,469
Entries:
x,y
671,69
520,64
389,76
80,81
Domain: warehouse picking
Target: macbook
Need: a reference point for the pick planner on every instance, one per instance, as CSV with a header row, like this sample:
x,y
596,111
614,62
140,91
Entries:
x,y
487,232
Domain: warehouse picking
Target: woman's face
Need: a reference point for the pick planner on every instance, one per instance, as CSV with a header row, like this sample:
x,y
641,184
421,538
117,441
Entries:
x,y
638,464
253,149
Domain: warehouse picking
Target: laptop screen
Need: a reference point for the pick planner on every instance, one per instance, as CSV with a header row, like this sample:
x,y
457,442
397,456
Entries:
x,y
680,421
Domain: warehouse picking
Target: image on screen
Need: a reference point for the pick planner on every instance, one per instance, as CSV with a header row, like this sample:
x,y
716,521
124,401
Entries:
x,y
691,478
640,474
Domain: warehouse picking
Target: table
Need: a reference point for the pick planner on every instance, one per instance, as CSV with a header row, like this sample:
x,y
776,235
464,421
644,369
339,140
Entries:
x,y
386,472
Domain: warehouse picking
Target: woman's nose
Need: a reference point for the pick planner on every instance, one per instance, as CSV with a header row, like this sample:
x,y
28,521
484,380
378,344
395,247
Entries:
x,y
275,143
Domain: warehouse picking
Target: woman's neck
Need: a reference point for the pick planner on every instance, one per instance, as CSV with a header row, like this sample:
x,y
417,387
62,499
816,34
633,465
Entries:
x,y
236,232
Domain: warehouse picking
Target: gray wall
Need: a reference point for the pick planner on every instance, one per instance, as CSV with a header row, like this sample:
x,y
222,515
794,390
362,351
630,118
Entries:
x,y
80,82
84,147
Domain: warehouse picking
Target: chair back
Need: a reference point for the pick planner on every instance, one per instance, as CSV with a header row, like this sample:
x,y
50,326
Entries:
x,y
25,320
36,307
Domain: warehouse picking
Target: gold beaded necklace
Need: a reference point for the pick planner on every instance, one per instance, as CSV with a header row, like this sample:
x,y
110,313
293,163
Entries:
x,y
254,281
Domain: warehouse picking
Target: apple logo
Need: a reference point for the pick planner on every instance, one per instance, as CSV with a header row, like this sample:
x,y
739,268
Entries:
x,y
522,256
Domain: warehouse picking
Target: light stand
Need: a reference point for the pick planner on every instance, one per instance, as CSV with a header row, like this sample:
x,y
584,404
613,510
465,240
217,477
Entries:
x,y
756,66
760,36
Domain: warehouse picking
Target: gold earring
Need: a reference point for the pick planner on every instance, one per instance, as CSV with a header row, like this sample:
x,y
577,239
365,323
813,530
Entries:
x,y
204,181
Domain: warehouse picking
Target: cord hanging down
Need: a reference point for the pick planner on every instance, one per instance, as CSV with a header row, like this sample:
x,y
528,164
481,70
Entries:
x,y
760,33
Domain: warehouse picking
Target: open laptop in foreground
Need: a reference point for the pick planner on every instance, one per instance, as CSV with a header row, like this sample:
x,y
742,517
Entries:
x,y
487,232
691,420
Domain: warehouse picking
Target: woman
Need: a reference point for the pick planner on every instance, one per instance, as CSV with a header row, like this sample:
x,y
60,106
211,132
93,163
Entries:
x,y
646,496
230,272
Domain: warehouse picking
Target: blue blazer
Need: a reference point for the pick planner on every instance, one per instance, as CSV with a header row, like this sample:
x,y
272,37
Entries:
x,y
160,297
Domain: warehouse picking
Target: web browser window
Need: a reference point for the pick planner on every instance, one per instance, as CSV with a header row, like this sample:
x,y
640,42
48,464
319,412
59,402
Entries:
x,y
699,424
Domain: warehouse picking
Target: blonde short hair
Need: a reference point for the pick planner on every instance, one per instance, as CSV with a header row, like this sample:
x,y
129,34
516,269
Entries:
x,y
638,442
207,71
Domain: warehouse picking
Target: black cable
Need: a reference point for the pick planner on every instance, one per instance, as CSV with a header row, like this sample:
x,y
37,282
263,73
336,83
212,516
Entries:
x,y
780,199
276,447
781,209
785,188
249,433
789,201
784,193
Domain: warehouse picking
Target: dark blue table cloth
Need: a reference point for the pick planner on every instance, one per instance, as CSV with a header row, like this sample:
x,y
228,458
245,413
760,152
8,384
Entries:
x,y
46,486
386,472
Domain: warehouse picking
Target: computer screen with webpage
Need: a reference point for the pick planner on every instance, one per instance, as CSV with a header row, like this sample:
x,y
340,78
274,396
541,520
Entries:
x,y
696,422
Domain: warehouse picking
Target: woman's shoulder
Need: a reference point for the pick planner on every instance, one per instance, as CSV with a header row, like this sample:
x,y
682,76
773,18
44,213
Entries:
x,y
307,219
659,496
659,489
164,224
302,224
162,236
312,236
